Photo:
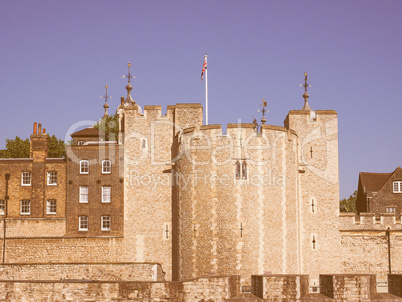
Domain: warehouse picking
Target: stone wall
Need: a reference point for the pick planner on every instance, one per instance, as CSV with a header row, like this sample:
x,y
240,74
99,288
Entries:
x,y
83,271
280,287
33,227
395,284
364,244
64,249
348,287
216,289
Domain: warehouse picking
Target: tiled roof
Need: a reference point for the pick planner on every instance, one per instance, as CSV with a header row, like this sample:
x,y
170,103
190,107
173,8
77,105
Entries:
x,y
373,182
87,132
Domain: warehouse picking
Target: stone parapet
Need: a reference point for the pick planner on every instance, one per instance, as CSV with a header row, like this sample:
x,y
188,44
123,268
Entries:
x,y
369,221
280,287
348,287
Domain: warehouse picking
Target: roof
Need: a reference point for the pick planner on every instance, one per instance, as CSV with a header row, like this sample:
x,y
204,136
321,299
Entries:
x,y
373,182
87,132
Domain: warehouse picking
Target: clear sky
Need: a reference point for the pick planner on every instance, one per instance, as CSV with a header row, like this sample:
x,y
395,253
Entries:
x,y
57,56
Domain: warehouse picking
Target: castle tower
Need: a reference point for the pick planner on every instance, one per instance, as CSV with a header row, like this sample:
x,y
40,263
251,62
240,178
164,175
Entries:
x,y
148,138
318,188
237,196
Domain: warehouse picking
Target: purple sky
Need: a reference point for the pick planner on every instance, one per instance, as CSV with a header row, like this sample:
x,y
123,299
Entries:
x,y
56,57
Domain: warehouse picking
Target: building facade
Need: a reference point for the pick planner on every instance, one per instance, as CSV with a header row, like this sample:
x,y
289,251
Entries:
x,y
380,192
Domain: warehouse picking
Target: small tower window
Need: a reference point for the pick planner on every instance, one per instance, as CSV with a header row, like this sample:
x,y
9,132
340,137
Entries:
x,y
144,143
238,169
244,170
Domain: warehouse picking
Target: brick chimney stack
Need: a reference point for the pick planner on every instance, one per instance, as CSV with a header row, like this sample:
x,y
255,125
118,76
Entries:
x,y
38,152
38,143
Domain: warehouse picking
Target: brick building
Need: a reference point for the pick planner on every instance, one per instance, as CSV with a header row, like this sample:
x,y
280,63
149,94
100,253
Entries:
x,y
37,185
380,192
94,186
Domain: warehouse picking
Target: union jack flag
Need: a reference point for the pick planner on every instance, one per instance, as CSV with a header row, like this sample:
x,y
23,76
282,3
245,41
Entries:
x,y
204,67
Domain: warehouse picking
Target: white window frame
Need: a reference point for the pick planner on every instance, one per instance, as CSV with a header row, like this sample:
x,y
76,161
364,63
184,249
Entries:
x,y
106,166
2,207
83,194
50,205
397,186
390,209
106,223
25,207
84,165
52,175
106,194
83,222
26,178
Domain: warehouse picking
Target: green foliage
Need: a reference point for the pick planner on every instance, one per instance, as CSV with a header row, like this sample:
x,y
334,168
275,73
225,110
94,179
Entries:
x,y
56,147
109,127
20,148
16,148
349,204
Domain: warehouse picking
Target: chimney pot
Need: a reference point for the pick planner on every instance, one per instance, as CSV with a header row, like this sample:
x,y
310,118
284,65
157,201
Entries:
x,y
39,128
44,130
35,129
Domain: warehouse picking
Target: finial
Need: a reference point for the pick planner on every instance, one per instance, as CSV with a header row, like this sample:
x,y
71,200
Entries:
x,y
129,99
106,106
128,76
305,95
263,110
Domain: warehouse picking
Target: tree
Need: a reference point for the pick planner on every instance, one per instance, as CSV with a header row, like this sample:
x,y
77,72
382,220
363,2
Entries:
x,y
20,148
349,204
109,126
56,147
16,148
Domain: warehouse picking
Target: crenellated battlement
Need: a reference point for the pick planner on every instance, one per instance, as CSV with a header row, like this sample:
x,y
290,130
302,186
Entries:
x,y
369,221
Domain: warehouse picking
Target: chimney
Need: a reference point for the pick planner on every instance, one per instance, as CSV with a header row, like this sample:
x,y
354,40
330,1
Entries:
x,y
38,143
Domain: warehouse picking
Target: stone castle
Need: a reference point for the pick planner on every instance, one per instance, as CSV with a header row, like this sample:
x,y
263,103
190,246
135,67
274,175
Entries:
x,y
173,199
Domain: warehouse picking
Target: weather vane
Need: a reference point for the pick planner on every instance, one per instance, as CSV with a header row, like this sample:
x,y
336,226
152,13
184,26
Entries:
x,y
305,85
263,110
106,96
129,77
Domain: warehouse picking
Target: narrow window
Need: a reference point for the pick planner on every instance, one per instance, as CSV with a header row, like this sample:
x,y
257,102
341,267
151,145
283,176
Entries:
x,y
52,178
26,179
2,207
106,192
244,170
51,206
313,242
83,194
84,167
83,223
237,172
144,143
106,223
397,186
25,207
106,166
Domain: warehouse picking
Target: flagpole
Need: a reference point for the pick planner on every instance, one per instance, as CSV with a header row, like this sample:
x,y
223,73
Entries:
x,y
206,93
